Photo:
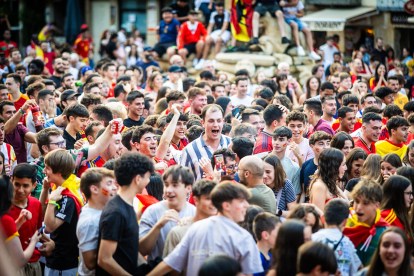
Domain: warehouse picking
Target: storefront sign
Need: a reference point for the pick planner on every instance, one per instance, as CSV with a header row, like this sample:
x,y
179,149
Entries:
x,y
409,7
400,18
326,26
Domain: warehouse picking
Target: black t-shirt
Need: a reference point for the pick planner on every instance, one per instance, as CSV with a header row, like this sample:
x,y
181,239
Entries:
x,y
66,252
118,223
219,20
128,122
56,80
70,141
308,169
382,54
180,11
352,183
110,48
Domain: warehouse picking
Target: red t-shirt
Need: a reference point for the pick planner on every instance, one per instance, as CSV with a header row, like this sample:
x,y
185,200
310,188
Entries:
x,y
181,145
5,48
49,57
18,104
28,228
81,47
263,143
359,143
9,227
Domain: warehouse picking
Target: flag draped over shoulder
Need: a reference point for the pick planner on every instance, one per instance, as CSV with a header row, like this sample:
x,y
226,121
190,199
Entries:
x,y
241,19
73,191
386,146
39,52
146,201
359,232
391,217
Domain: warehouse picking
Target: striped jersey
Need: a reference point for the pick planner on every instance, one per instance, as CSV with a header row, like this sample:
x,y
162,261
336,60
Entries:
x,y
263,143
9,156
193,152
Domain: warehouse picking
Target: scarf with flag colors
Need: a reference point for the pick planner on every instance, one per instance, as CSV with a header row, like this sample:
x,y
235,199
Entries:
x,y
391,217
386,146
241,19
359,232
72,185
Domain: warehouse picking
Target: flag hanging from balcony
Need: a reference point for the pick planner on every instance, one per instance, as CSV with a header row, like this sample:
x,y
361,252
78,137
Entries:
x,y
241,19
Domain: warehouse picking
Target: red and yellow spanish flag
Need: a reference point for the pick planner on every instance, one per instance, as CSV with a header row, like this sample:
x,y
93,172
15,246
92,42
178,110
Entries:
x,y
386,146
241,19
39,52
146,201
391,217
72,185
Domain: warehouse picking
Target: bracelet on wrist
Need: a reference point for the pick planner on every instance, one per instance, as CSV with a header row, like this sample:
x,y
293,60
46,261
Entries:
x,y
54,203
21,111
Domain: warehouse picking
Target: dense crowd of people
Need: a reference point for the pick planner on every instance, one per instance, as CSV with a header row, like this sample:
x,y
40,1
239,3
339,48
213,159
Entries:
x,y
115,167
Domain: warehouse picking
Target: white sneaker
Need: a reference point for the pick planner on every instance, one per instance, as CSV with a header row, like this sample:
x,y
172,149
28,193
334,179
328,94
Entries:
x,y
301,52
200,64
314,55
214,63
195,62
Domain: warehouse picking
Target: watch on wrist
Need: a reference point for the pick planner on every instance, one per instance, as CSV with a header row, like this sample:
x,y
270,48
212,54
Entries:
x,y
279,213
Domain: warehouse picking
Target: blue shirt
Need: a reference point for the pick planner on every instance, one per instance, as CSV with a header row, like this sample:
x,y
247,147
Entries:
x,y
169,31
265,263
308,169
145,65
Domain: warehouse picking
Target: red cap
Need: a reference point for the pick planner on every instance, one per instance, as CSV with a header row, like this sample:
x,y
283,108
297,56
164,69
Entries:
x,y
84,26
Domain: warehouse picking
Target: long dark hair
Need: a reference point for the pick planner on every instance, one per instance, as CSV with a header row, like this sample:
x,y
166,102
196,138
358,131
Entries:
x,y
393,198
301,211
406,158
280,77
155,186
354,155
328,169
377,266
308,92
280,175
4,163
162,92
6,194
376,72
393,159
339,139
289,239
251,212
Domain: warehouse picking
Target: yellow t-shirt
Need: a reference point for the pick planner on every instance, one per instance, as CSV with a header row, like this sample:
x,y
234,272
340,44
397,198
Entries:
x,y
401,100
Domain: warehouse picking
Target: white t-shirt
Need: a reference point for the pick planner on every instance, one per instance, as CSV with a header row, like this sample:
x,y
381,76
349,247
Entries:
x,y
87,232
151,216
174,86
305,150
246,101
295,9
345,252
212,236
328,54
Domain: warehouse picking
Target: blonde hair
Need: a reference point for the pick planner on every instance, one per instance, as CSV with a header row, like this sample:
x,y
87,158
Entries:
x,y
117,109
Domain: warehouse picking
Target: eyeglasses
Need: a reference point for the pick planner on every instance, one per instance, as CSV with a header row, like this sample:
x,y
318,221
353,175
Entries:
x,y
409,193
60,144
233,168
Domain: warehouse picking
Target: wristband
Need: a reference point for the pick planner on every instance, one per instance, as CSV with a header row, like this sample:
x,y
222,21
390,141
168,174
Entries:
x,y
21,111
54,203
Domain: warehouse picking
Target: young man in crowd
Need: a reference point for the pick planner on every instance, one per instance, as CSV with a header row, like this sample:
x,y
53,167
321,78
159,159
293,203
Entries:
x,y
174,97
167,33
210,141
62,212
217,33
399,99
98,186
398,132
407,110
274,116
204,209
365,224
299,150
370,132
386,95
281,137
313,110
13,82
219,233
174,82
136,104
318,141
242,147
109,74
345,82
241,96
251,171
336,215
352,102
347,120
118,230
178,141
78,117
159,218
329,108
218,90
33,90
366,101
265,228
197,100
68,97
15,133
252,117
91,131
191,38
68,82
245,130
101,114
27,212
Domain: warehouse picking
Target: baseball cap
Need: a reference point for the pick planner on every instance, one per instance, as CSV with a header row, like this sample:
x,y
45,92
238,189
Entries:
x,y
85,69
166,9
84,26
148,49
174,69
68,94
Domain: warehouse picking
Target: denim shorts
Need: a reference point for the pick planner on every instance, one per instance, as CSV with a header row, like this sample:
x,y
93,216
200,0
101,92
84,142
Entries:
x,y
301,24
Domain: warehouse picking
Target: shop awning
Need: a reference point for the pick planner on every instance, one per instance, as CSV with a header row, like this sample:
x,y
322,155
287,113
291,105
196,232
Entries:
x,y
335,19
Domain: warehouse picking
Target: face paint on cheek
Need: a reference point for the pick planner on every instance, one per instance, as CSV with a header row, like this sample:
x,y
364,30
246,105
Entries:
x,y
301,132
284,145
105,192
317,150
145,148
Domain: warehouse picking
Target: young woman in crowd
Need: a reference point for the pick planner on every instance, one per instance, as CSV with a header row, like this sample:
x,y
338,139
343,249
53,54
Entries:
x,y
408,159
3,164
162,92
227,86
391,58
292,234
275,178
389,164
283,89
309,213
120,70
132,56
313,86
343,141
396,202
380,78
392,256
225,104
331,169
251,212
154,83
371,169
407,172
354,162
